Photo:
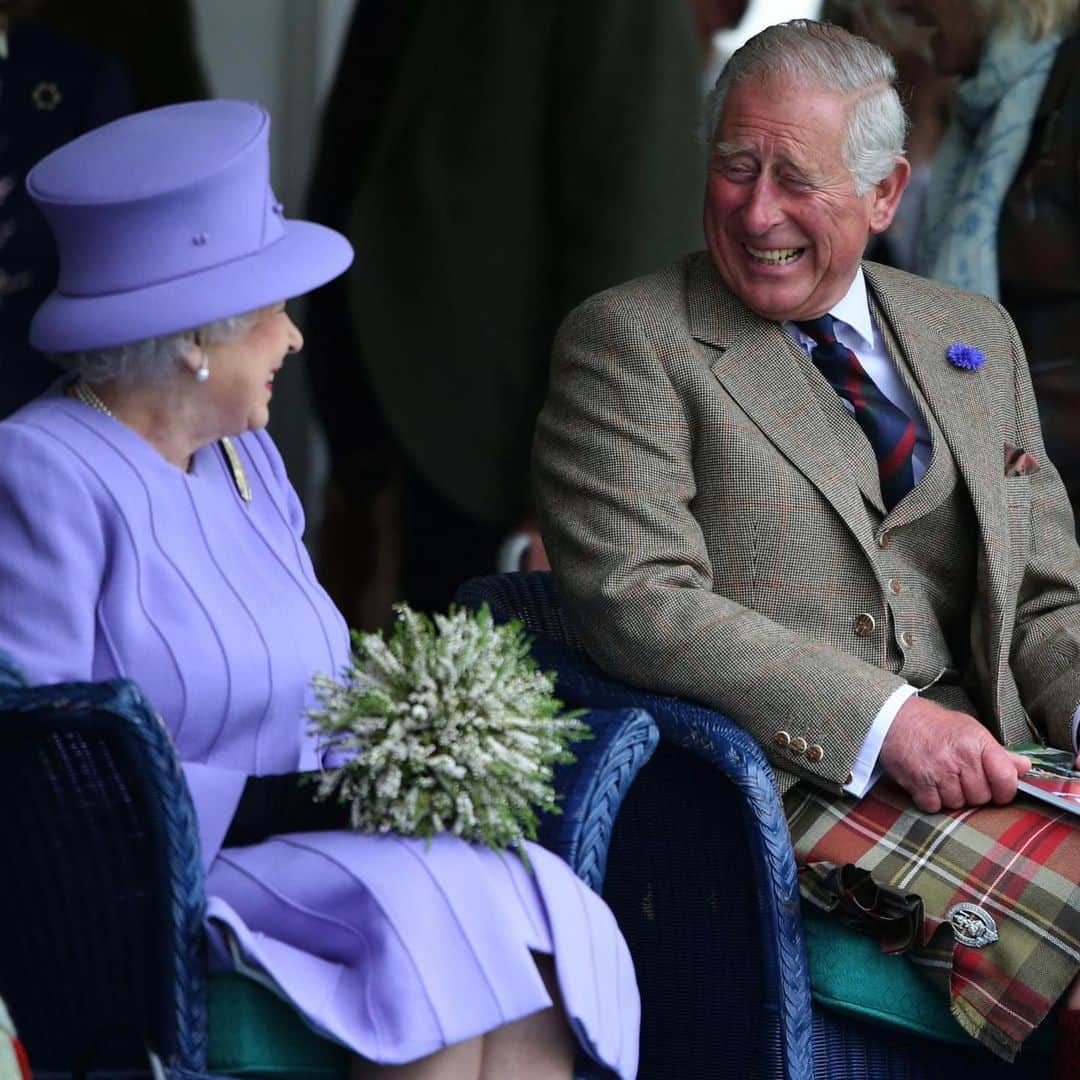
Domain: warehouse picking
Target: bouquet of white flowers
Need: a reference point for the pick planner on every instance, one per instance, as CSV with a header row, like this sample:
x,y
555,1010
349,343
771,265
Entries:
x,y
447,727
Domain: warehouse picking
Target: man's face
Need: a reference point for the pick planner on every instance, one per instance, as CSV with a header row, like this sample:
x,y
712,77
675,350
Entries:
x,y
783,224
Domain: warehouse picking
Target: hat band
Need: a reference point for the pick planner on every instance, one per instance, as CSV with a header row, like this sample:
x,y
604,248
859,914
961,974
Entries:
x,y
115,250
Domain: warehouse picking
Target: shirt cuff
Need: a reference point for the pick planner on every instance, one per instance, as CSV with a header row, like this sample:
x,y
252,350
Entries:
x,y
1076,730
865,771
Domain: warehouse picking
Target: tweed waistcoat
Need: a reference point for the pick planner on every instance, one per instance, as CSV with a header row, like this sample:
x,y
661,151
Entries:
x,y
927,558
928,599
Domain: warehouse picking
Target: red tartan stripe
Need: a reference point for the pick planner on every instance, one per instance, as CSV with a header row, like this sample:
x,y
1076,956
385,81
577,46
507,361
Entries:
x,y
988,986
1047,842
1027,845
860,830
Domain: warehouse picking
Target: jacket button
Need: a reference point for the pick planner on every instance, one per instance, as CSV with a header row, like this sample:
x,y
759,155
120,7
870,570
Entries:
x,y
814,753
782,739
907,639
798,746
864,624
895,587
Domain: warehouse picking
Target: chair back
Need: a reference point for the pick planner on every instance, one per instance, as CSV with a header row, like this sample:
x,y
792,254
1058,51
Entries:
x,y
531,597
688,888
102,904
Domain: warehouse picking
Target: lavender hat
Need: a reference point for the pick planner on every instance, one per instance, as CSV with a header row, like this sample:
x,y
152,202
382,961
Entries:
x,y
165,221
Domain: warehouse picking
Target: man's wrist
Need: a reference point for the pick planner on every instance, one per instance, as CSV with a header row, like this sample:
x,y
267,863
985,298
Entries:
x,y
865,771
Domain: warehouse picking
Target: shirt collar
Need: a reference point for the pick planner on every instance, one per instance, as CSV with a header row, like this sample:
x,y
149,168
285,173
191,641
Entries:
x,y
853,309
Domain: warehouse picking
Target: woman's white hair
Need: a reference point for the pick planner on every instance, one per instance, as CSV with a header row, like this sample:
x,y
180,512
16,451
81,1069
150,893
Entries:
x,y
825,57
152,359
1037,18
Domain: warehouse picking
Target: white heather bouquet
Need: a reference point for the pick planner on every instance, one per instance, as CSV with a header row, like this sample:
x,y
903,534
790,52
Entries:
x,y
451,728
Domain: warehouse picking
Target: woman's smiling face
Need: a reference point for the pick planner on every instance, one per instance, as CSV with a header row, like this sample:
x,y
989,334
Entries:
x,y
242,371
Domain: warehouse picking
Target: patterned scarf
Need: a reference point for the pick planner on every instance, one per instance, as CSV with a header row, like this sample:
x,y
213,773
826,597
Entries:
x,y
978,159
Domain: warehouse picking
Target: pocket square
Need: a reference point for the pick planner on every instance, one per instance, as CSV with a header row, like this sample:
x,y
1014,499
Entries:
x,y
1019,462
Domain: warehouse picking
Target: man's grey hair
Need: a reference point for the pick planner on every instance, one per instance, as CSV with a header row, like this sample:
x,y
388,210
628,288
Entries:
x,y
152,359
821,56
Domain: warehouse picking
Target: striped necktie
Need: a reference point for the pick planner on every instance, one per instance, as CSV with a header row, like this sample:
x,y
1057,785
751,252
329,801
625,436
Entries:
x,y
889,429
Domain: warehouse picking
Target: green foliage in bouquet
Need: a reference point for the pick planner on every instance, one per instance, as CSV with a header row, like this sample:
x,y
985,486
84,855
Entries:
x,y
450,727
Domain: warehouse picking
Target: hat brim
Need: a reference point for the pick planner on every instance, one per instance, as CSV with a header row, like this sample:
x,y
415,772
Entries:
x,y
306,256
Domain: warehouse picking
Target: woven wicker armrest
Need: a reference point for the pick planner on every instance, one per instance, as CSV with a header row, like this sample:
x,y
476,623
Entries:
x,y
710,735
103,947
593,788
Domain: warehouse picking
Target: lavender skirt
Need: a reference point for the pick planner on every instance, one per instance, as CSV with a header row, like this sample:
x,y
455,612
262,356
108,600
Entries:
x,y
395,948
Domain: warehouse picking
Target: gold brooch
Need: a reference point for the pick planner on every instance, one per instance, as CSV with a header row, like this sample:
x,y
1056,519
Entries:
x,y
239,476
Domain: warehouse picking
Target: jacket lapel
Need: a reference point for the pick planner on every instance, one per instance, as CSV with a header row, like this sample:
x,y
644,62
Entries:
x,y
762,369
937,483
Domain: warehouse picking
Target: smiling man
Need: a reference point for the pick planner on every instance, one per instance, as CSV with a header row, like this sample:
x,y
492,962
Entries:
x,y
812,492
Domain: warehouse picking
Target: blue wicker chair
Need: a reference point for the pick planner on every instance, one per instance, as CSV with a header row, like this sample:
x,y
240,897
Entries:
x,y
702,878
101,899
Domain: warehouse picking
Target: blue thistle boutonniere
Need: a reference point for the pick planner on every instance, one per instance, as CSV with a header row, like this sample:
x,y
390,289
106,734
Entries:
x,y
965,357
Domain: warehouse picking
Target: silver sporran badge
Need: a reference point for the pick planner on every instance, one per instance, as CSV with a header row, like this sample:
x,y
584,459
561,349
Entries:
x,y
972,925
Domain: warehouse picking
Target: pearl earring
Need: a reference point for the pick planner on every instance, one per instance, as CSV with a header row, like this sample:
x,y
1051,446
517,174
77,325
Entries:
x,y
202,373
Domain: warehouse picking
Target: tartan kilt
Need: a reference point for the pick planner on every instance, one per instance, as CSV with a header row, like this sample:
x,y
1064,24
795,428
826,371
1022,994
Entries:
x,y
1020,863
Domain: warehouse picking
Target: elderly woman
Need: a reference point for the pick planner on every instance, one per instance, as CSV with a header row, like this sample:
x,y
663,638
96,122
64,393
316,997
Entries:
x,y
148,530
1003,210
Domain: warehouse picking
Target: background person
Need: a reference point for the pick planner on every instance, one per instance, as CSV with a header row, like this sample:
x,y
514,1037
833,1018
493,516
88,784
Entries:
x,y
1003,208
65,67
52,88
149,531
492,185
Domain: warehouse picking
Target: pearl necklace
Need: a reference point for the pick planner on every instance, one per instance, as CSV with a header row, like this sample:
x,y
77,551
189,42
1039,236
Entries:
x,y
87,396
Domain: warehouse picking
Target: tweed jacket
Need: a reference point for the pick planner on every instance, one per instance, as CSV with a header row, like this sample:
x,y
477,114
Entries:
x,y
713,537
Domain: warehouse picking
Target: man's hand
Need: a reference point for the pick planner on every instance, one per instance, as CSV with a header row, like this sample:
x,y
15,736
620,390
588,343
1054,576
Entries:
x,y
948,760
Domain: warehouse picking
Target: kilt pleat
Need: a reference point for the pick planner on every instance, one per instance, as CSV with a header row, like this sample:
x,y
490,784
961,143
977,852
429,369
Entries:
x,y
1019,864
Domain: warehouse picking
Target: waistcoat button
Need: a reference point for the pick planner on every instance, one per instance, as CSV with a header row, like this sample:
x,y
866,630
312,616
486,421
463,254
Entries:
x,y
895,587
864,624
907,638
